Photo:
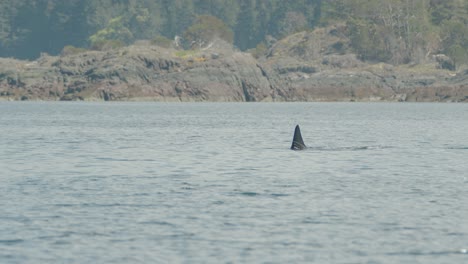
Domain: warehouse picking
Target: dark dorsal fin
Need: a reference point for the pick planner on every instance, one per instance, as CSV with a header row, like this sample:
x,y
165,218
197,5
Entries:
x,y
298,142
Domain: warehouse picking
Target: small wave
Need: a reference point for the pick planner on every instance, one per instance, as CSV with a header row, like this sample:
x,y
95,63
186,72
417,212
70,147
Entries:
x,y
279,194
429,253
274,195
249,193
104,205
458,148
10,242
115,159
353,148
159,223
65,205
309,220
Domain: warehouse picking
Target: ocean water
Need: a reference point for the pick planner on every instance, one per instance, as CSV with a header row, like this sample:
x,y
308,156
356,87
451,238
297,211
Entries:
x,y
217,183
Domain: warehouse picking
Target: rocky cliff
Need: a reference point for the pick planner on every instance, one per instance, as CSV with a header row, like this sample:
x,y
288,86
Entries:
x,y
320,66
308,66
137,73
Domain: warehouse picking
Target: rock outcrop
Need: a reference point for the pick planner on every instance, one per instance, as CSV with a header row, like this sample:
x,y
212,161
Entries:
x,y
320,66
307,66
137,73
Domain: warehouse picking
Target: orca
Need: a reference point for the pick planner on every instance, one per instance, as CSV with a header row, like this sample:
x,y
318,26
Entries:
x,y
298,142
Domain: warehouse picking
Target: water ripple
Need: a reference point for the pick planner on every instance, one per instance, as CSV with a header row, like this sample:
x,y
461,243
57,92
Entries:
x,y
210,183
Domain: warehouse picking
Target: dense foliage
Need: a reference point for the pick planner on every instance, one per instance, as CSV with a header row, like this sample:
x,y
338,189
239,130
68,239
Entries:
x,y
393,31
403,31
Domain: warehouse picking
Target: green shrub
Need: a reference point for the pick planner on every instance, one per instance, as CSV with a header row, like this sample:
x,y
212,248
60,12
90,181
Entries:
x,y
161,42
259,51
72,50
205,29
185,53
108,44
113,36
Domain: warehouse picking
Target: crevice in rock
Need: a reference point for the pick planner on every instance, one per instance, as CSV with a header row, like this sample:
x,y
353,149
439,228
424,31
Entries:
x,y
248,97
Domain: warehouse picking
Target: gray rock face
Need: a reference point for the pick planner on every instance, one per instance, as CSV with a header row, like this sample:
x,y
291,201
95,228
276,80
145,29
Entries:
x,y
137,73
320,66
308,66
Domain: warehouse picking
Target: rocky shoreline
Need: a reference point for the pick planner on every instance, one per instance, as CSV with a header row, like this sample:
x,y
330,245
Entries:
x,y
308,66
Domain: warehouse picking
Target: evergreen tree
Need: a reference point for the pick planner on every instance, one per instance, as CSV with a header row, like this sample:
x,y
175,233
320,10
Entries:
x,y
205,30
394,31
245,28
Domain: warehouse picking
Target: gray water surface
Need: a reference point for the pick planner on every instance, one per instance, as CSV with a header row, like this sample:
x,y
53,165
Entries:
x,y
217,183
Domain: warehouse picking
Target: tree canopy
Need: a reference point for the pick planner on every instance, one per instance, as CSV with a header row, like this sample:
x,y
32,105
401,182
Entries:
x,y
392,31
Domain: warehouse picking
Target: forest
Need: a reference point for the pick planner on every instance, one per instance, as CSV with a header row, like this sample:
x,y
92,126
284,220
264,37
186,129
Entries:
x,y
391,31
